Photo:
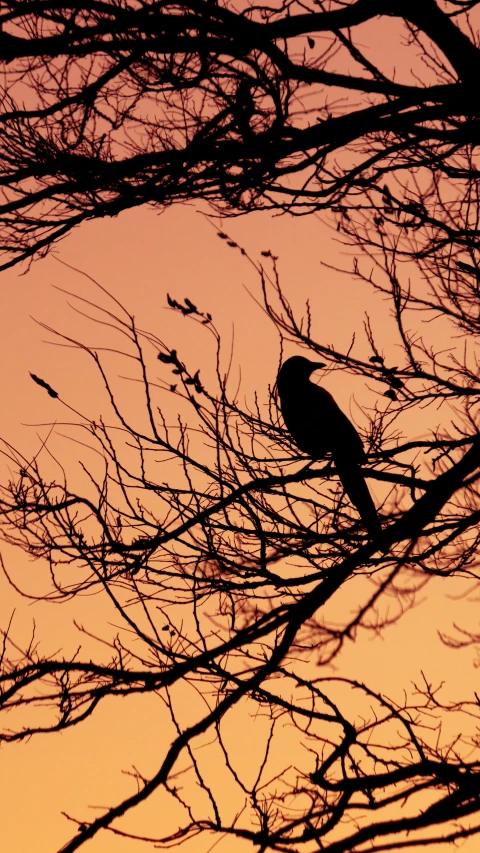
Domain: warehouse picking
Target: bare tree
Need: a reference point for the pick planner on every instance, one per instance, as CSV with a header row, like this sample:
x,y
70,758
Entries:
x,y
221,549
112,105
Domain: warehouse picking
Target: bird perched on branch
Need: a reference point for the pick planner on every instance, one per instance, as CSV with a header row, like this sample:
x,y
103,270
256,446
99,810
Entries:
x,y
318,426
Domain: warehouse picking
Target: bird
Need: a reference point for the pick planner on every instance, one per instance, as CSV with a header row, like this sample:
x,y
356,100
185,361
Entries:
x,y
318,426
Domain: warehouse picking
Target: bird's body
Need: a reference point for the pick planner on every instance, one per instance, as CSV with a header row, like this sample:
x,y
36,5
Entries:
x,y
318,426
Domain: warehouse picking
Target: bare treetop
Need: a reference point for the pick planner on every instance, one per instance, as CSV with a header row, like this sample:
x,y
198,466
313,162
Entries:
x,y
115,104
222,551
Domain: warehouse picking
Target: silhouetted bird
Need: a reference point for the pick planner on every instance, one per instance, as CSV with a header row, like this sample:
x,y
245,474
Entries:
x,y
318,426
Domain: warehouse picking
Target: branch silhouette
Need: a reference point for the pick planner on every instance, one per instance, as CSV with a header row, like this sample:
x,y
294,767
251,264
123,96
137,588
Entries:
x,y
281,108
219,535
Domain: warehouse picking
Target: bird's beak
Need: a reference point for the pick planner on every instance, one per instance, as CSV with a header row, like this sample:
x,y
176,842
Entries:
x,y
317,365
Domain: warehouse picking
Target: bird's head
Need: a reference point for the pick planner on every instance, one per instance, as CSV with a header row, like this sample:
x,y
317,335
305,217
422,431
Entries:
x,y
298,368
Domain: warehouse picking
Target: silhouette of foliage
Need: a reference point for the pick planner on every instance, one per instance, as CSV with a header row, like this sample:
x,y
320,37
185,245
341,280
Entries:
x,y
110,105
44,384
221,549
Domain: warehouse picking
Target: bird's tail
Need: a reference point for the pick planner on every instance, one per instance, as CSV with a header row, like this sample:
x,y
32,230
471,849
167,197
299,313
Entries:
x,y
356,488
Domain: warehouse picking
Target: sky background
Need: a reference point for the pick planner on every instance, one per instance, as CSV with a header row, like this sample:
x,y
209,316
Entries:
x,y
139,257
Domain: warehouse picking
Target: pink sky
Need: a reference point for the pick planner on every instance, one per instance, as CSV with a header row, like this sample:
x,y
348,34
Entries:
x,y
140,256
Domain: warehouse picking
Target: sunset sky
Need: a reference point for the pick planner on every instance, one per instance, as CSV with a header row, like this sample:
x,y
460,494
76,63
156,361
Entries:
x,y
139,257
347,107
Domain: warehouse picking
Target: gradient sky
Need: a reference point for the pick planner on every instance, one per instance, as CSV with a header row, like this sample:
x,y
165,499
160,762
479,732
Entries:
x,y
140,256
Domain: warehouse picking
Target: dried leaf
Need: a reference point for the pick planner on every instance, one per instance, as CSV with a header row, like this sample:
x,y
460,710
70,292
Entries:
x,y
44,384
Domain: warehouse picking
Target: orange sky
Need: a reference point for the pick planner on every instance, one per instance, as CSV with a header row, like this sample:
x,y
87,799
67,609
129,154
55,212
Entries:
x,y
140,256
